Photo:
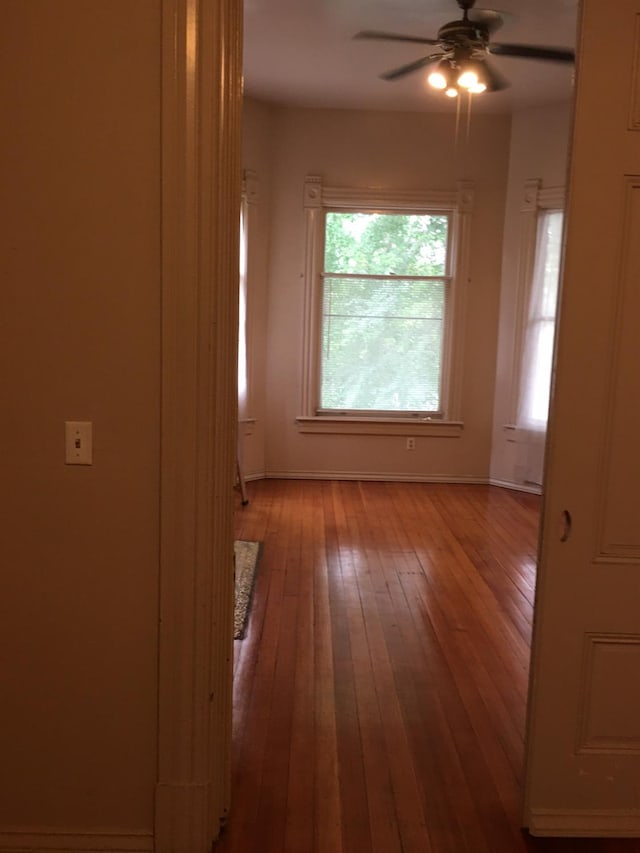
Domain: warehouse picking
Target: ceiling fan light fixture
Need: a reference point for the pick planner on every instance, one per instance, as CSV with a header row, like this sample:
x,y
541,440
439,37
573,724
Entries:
x,y
468,78
439,77
478,88
466,44
437,80
473,76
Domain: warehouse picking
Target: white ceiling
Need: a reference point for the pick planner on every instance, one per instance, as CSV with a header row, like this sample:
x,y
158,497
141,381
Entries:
x,y
301,52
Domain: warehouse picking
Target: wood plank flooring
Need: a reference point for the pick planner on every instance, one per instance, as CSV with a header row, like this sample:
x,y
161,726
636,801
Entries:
x,y
380,691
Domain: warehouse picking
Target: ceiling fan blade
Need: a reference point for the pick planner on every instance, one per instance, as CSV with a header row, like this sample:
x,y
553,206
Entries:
x,y
397,73
530,51
374,34
495,80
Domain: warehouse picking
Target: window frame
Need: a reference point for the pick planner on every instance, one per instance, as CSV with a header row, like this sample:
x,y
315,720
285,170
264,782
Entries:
x,y
445,278
320,199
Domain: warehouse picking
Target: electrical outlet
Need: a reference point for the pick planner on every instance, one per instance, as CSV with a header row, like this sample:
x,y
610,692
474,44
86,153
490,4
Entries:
x,y
411,444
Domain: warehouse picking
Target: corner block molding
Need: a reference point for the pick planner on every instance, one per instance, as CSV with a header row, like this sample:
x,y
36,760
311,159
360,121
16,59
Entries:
x,y
530,195
313,191
250,186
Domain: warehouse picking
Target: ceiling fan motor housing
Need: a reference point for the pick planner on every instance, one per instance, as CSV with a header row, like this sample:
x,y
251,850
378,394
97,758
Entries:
x,y
463,33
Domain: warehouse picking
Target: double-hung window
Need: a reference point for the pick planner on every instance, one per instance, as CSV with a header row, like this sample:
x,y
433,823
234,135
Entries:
x,y
385,274
385,288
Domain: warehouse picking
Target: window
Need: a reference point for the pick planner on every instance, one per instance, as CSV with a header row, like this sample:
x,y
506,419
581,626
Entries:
x,y
246,309
242,313
385,274
539,332
384,302
541,224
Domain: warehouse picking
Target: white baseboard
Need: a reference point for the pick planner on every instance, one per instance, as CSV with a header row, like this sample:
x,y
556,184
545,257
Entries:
x,y
516,487
371,475
56,841
585,824
529,488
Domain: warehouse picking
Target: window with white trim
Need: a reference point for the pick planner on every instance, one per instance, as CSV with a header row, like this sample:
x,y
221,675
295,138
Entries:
x,y
385,275
537,355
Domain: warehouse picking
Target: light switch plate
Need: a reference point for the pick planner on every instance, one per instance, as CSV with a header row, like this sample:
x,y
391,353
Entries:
x,y
78,442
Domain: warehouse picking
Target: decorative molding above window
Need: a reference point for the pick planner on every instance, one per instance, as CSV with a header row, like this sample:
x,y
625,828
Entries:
x,y
316,195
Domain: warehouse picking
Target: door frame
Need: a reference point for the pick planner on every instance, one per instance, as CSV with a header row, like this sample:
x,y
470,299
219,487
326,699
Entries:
x,y
201,186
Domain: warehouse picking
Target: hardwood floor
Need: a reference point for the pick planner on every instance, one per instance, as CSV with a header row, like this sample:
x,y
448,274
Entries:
x,y
380,691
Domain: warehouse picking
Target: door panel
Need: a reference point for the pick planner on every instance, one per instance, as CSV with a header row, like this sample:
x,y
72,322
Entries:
x,y
583,767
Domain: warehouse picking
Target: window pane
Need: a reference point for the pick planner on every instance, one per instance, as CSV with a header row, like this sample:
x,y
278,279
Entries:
x,y
382,344
539,334
542,354
552,243
386,243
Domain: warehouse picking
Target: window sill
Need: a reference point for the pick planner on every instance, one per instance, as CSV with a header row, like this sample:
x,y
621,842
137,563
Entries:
x,y
343,425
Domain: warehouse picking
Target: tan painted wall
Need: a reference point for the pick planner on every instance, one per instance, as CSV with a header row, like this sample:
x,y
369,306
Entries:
x,y
405,151
80,309
539,142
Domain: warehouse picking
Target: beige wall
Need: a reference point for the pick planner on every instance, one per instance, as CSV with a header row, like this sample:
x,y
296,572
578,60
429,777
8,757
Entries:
x,y
538,149
403,151
80,317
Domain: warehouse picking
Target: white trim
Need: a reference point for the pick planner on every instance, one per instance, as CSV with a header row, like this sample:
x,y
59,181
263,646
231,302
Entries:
x,y
392,478
456,315
347,425
348,198
64,841
515,487
373,476
201,85
459,203
585,824
312,292
529,489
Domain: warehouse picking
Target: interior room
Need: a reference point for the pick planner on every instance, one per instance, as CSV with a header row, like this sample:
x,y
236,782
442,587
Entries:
x,y
351,517
512,154
423,144
375,704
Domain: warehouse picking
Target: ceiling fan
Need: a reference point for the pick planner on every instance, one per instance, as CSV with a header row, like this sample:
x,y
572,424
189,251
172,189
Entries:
x,y
464,45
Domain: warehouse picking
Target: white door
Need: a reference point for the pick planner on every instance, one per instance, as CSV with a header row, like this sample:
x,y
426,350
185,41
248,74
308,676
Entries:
x,y
583,769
